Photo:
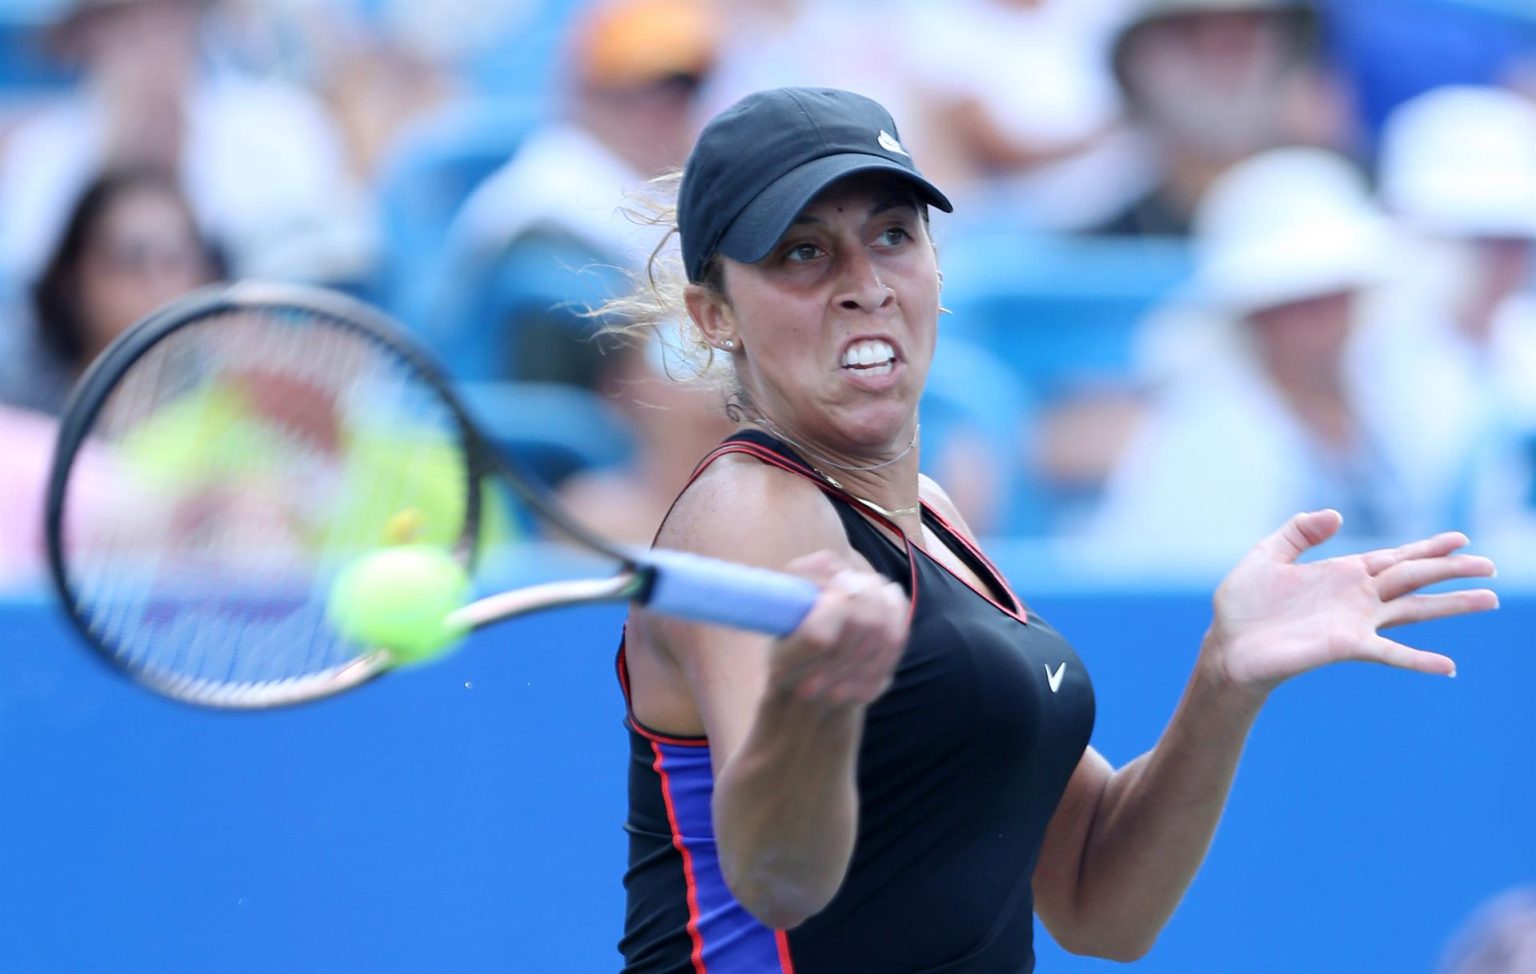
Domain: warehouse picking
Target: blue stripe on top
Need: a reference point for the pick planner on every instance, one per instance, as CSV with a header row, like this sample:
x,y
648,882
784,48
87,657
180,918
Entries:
x,y
734,941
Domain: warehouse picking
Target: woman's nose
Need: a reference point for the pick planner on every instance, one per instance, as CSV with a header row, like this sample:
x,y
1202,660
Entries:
x,y
862,287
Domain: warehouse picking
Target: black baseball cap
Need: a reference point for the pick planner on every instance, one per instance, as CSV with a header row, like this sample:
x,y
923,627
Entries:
x,y
758,163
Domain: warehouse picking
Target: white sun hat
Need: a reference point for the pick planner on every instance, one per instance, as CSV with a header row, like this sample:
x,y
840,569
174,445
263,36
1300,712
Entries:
x,y
1287,225
1461,160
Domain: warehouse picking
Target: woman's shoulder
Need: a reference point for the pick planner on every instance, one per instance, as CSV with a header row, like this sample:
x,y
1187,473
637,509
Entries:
x,y
742,508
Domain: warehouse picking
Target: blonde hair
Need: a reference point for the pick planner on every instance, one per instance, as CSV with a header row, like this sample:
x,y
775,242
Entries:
x,y
655,307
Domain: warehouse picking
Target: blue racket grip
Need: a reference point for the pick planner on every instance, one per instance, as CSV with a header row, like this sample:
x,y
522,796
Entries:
x,y
709,590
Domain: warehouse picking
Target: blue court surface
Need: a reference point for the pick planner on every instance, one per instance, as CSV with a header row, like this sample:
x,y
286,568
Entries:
x,y
468,815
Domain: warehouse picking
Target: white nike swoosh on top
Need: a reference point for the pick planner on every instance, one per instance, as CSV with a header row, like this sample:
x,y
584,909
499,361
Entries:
x,y
888,143
1055,678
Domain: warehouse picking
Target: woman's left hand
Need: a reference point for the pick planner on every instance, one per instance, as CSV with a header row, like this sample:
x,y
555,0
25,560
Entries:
x,y
1275,618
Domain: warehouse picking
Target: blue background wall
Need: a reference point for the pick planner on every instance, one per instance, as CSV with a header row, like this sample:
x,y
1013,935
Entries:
x,y
467,816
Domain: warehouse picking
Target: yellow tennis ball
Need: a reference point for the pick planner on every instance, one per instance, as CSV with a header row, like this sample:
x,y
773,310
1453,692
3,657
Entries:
x,y
398,599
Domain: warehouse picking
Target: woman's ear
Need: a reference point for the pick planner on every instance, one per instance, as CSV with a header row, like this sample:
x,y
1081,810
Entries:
x,y
712,316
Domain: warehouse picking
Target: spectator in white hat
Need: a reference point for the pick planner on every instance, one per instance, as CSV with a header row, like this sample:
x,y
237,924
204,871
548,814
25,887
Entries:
x,y
1262,421
1458,167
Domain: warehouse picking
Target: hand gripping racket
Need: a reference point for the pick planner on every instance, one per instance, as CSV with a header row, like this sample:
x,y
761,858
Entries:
x,y
232,459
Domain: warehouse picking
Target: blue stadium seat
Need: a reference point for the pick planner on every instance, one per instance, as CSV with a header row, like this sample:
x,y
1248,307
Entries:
x,y
1060,312
520,313
431,170
523,60
26,69
549,430
1391,50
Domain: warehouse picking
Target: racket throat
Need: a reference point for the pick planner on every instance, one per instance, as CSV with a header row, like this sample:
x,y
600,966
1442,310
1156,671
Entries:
x,y
623,587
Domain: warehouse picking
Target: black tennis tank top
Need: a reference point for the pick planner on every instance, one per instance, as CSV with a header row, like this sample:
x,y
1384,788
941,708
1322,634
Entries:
x,y
962,763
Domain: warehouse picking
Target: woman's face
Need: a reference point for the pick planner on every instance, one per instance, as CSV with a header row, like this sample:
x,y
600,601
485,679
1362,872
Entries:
x,y
143,252
835,328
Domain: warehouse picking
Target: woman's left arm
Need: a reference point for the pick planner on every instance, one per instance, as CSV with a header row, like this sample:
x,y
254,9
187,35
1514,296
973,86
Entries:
x,y
1124,844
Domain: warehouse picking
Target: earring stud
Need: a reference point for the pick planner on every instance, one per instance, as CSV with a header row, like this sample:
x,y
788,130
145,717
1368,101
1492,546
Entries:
x,y
727,344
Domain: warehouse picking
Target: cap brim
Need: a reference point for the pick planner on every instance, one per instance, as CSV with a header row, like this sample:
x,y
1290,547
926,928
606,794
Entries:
x,y
764,220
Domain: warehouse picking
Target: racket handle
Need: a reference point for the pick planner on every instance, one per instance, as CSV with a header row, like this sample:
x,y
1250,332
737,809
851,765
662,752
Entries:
x,y
709,590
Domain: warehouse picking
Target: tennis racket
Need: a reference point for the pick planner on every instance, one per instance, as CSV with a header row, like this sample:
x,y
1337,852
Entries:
x,y
227,459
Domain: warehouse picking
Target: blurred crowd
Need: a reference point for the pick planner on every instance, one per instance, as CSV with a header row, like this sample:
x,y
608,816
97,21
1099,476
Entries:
x,y
1212,261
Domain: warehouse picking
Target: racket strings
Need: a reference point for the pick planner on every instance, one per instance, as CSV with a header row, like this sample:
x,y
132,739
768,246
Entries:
x,y
253,454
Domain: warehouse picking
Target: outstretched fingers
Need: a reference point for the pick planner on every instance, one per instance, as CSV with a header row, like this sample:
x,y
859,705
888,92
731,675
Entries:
x,y
1380,649
1393,653
1399,575
1444,543
1422,608
1410,576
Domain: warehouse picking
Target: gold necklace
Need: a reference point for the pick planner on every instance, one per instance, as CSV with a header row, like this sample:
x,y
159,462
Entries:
x,y
892,515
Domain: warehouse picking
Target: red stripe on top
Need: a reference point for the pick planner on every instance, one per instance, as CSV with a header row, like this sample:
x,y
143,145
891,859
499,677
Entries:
x,y
1017,610
786,966
688,878
657,737
621,664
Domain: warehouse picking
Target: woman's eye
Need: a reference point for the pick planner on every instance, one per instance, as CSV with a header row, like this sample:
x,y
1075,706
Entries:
x,y
802,252
894,235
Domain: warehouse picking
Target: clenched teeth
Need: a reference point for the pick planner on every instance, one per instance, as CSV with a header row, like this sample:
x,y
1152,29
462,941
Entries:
x,y
870,354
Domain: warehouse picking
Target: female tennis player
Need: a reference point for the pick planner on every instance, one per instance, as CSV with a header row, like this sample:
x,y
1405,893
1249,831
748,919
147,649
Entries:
x,y
904,781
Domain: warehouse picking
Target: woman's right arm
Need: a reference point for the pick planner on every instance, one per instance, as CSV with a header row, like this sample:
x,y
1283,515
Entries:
x,y
783,716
